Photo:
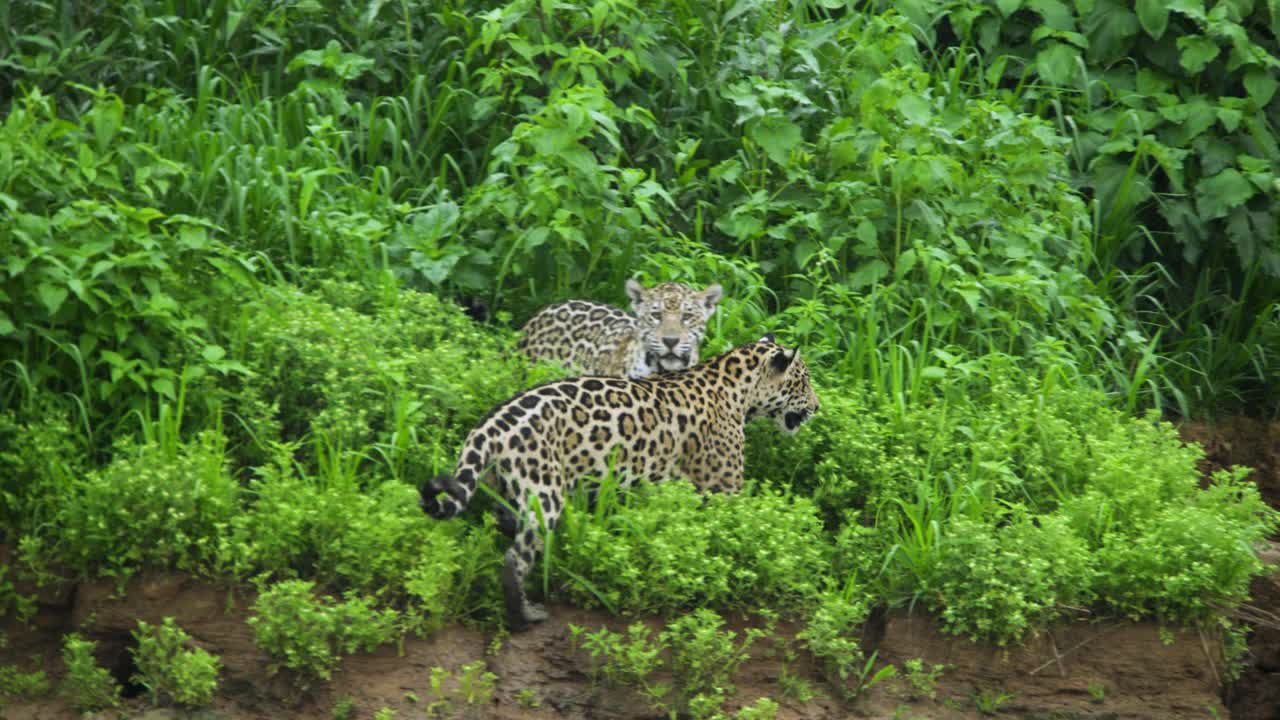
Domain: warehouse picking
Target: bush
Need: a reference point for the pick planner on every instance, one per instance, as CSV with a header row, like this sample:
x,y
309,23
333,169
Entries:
x,y
171,670
23,685
151,507
832,631
997,584
350,369
87,686
668,547
42,454
111,296
705,658
368,542
308,635
1189,558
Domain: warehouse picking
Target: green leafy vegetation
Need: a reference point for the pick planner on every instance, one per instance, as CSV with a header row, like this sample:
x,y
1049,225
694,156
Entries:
x,y
471,688
87,685
701,657
309,635
262,265
16,684
172,671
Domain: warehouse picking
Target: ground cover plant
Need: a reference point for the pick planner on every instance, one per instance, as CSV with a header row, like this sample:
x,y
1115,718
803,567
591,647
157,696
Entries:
x,y
261,265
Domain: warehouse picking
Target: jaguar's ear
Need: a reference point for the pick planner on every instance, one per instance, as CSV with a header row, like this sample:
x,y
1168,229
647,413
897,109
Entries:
x,y
768,337
711,297
635,291
782,359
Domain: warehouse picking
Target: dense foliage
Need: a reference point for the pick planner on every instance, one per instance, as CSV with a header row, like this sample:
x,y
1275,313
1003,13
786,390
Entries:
x,y
238,239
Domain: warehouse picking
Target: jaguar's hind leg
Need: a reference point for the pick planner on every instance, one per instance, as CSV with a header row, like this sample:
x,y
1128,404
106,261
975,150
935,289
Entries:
x,y
525,548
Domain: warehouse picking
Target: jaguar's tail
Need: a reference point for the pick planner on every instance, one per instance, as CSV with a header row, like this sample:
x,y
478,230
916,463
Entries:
x,y
444,496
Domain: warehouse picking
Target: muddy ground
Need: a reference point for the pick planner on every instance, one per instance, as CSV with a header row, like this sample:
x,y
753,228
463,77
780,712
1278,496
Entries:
x,y
1088,669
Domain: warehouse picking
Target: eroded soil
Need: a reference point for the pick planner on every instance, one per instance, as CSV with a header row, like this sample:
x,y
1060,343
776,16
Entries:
x,y
540,674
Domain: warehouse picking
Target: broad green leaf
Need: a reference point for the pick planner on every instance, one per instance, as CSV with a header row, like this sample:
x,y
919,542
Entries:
x,y
1261,85
435,270
933,372
1057,14
1229,118
1216,196
1110,29
164,386
802,252
778,137
915,108
869,273
6,325
107,115
906,261
213,353
1008,7
1193,9
1243,236
740,8
52,296
1196,52
867,236
1154,16
1058,63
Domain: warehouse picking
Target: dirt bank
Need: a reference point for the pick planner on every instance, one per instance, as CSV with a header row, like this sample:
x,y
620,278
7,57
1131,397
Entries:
x,y
1077,670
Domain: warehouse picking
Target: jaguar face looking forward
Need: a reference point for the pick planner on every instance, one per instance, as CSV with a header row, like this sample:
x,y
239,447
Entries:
x,y
664,334
535,447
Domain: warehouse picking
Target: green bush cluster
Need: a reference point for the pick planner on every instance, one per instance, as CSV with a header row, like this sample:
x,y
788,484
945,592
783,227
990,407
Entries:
x,y
998,583
87,685
669,548
833,630
108,295
150,507
702,657
172,671
16,684
309,635
397,376
341,537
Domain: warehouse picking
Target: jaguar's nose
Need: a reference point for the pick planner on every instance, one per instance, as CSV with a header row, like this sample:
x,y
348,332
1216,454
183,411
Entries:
x,y
671,343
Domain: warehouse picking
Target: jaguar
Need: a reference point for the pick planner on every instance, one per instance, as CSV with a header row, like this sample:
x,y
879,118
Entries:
x,y
664,333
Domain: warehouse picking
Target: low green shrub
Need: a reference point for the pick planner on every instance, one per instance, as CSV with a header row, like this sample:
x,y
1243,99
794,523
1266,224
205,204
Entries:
x,y
704,658
87,685
1189,558
150,507
832,633
308,635
17,684
403,372
998,583
664,547
41,452
337,535
171,669
376,542
623,660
